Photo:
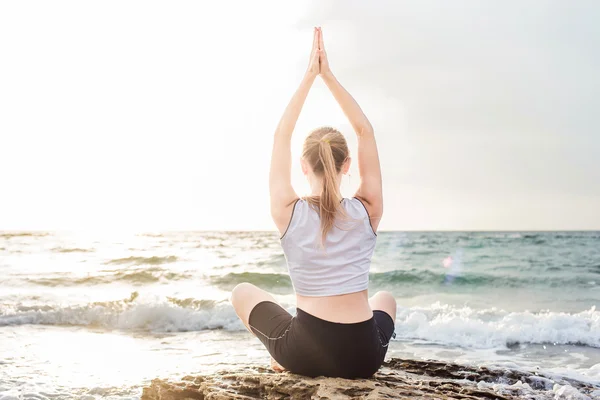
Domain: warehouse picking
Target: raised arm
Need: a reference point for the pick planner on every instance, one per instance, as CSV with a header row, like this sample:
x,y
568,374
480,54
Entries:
x,y
280,183
370,189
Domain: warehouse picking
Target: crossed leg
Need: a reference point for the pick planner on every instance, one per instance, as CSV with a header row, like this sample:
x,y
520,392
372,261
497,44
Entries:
x,y
384,301
244,298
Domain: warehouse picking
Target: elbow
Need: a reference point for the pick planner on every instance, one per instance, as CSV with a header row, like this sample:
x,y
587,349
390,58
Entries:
x,y
365,131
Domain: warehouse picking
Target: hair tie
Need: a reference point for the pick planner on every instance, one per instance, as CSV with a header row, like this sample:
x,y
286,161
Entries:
x,y
325,140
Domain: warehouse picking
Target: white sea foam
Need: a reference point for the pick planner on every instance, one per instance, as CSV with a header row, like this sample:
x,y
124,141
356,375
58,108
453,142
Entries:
x,y
524,390
154,317
568,392
438,323
491,328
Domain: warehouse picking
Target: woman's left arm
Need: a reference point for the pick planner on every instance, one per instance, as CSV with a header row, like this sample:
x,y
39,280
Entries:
x,y
280,182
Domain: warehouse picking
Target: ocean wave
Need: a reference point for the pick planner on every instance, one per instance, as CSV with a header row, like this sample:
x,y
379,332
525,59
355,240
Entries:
x,y
273,260
281,283
71,250
275,280
154,260
578,235
135,277
427,277
133,313
277,283
152,235
439,323
492,328
9,235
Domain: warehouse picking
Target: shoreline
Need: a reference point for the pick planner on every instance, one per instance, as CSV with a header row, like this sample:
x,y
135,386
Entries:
x,y
397,379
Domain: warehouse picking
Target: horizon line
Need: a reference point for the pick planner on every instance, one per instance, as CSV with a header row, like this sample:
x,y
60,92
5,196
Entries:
x,y
2,231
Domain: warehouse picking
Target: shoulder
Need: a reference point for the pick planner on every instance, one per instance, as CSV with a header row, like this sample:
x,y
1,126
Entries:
x,y
282,216
372,211
356,204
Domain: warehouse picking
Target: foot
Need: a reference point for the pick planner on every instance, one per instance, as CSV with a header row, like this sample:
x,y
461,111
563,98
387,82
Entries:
x,y
276,366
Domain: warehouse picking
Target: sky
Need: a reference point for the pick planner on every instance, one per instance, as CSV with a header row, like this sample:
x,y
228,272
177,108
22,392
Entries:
x,y
147,115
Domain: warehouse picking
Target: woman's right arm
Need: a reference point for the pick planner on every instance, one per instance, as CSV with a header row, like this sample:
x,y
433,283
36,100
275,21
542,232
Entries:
x,y
370,188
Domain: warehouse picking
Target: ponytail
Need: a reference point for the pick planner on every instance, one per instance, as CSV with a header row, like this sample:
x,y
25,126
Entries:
x,y
330,200
326,151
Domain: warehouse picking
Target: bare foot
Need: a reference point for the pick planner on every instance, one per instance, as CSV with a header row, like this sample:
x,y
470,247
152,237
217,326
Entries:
x,y
276,366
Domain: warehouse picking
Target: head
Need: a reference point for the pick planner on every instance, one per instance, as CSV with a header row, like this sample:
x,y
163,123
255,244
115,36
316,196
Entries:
x,y
325,158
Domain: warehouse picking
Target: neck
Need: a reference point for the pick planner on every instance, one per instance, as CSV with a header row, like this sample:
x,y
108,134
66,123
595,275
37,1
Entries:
x,y
316,185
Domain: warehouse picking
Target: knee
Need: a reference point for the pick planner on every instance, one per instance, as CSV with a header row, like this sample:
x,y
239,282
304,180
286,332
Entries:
x,y
384,300
240,291
385,295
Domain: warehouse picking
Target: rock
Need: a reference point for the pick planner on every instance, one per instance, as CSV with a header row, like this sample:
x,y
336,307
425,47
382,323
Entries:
x,y
397,379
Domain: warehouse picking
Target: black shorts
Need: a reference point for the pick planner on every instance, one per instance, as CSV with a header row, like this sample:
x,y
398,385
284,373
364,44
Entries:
x,y
311,346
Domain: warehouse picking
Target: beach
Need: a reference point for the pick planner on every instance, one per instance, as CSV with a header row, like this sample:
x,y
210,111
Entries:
x,y
110,314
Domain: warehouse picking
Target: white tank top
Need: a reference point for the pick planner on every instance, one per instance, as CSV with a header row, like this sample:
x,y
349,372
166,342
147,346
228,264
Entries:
x,y
342,265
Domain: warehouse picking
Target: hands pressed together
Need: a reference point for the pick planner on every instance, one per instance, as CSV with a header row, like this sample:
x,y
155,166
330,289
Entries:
x,y
282,193
318,63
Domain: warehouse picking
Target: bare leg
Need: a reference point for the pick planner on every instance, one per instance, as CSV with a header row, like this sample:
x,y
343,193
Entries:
x,y
244,298
384,301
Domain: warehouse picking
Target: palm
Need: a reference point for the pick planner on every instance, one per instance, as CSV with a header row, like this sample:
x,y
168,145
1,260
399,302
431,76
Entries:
x,y
313,63
323,61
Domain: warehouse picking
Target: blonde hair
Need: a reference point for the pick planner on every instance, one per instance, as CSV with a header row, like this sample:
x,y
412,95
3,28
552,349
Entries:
x,y
325,150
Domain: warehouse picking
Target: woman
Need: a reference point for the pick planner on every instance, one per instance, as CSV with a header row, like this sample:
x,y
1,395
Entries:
x,y
328,242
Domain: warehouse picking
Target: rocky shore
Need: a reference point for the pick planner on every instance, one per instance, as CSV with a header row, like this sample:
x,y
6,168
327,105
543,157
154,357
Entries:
x,y
398,379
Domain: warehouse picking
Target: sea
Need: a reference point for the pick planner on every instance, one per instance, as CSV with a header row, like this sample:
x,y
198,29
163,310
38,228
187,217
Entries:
x,y
92,315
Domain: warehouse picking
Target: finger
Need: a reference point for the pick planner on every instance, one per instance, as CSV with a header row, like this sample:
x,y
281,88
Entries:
x,y
321,44
315,55
316,39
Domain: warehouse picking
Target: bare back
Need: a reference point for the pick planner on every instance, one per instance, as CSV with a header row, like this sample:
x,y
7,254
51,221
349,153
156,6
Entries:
x,y
345,308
